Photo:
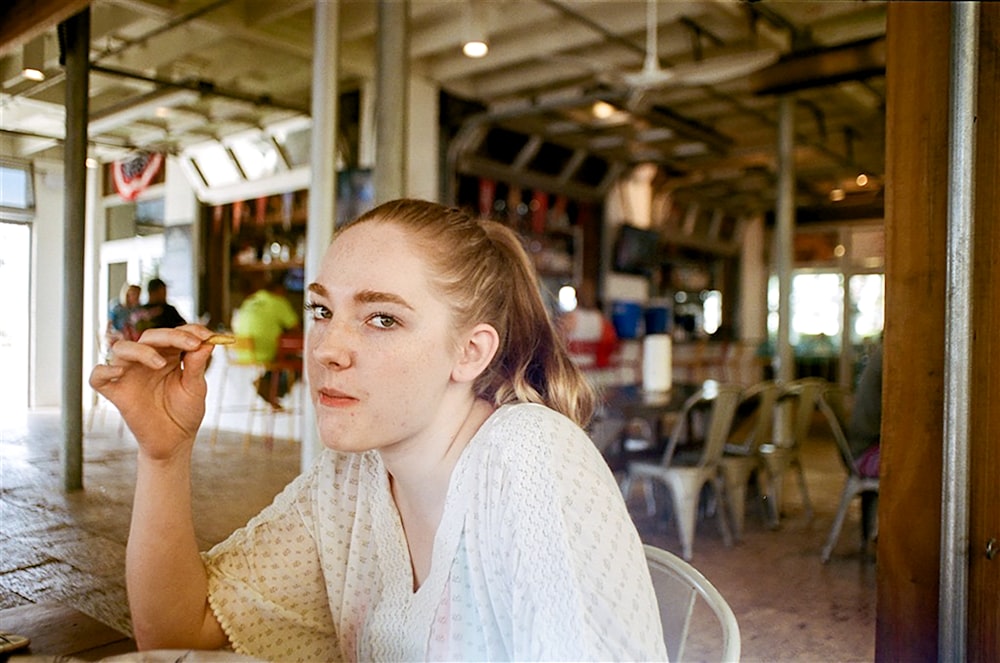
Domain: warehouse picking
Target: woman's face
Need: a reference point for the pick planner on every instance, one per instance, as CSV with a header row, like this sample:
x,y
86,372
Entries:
x,y
132,297
381,348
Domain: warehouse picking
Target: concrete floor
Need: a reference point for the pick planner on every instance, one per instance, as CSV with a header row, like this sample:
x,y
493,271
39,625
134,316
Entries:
x,y
69,547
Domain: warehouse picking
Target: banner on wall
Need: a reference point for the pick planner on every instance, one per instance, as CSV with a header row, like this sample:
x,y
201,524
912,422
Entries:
x,y
134,174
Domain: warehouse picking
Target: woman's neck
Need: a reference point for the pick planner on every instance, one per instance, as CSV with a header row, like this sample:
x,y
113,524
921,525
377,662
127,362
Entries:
x,y
419,478
420,474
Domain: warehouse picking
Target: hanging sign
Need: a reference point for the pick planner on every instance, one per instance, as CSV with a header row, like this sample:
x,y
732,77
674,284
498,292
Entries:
x,y
133,175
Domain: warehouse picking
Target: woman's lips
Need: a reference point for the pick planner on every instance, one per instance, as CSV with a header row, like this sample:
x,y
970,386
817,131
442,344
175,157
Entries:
x,y
335,398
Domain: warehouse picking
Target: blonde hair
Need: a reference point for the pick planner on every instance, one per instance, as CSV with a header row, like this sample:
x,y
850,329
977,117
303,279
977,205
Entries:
x,y
483,271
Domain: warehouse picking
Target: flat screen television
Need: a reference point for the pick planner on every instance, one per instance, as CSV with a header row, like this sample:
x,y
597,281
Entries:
x,y
636,250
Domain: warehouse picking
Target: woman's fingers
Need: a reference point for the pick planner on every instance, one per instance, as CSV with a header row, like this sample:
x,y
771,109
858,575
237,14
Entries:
x,y
103,374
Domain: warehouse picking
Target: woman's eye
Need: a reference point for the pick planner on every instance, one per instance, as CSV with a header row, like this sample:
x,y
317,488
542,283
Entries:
x,y
383,320
317,311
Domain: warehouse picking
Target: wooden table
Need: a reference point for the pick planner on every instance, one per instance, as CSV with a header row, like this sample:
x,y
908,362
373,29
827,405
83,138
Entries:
x,y
59,630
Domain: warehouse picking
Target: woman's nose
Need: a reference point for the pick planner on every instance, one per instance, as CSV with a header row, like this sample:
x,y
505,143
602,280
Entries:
x,y
331,345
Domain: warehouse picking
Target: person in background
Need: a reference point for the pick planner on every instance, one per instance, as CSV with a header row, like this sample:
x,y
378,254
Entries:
x,y
864,432
458,512
156,313
264,316
120,323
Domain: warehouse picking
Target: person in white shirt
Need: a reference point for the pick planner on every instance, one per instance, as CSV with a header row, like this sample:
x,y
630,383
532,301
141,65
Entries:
x,y
458,512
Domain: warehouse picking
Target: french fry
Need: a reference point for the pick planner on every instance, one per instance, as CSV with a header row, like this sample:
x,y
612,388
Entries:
x,y
221,339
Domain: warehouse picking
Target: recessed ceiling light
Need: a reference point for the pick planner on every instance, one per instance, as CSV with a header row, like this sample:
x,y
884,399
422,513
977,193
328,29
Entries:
x,y
862,180
836,195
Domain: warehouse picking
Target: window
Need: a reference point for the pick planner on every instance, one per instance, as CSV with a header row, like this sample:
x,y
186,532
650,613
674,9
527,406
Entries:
x,y
17,193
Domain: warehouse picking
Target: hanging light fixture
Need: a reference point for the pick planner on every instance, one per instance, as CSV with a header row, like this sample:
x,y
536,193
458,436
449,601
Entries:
x,y
33,60
475,43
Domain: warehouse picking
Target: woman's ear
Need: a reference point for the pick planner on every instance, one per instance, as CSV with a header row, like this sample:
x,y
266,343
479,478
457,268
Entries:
x,y
476,352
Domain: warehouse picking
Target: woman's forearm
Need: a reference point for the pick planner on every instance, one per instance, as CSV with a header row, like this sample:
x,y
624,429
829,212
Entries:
x,y
167,582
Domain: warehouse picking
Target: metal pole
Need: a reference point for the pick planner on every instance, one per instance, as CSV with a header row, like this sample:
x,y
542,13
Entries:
x,y
323,165
75,34
952,601
785,231
391,110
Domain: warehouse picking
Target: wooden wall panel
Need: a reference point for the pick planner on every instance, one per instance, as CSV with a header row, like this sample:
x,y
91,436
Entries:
x,y
917,79
984,452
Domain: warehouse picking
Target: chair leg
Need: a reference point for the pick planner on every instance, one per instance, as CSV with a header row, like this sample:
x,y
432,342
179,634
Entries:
x,y
845,501
737,497
685,500
647,491
736,478
723,517
219,403
626,485
775,479
804,489
869,517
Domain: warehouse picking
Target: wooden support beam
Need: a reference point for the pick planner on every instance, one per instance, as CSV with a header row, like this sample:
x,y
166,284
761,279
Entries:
x,y
23,20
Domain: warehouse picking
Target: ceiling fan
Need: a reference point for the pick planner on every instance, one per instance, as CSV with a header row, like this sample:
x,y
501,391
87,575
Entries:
x,y
707,71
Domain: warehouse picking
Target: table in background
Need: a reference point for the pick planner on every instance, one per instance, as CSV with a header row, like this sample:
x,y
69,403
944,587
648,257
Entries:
x,y
628,402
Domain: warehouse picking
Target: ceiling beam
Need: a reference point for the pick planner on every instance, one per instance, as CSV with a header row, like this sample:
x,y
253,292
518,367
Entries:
x,y
819,68
23,20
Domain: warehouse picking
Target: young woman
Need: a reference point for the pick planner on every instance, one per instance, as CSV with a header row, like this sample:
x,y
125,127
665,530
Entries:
x,y
458,512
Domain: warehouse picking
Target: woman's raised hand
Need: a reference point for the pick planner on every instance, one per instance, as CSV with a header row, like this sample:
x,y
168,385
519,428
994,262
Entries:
x,y
158,385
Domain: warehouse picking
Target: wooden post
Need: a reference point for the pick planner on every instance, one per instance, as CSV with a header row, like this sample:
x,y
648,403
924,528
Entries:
x,y
912,429
912,399
984,448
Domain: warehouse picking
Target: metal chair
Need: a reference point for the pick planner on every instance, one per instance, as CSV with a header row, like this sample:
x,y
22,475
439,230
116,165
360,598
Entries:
x,y
678,586
832,405
800,398
754,425
239,355
685,481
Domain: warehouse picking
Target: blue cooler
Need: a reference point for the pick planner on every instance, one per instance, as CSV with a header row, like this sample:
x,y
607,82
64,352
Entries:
x,y
626,316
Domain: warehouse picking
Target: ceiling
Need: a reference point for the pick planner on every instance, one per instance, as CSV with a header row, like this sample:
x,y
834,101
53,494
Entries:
x,y
175,74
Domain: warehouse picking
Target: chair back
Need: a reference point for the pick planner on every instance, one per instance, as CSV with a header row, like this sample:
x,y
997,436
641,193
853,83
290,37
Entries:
x,y
678,586
721,401
754,420
804,394
289,353
833,406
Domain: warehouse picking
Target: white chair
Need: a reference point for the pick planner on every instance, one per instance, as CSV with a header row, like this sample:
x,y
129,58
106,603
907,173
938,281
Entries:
x,y
754,424
678,585
798,397
240,355
685,481
832,405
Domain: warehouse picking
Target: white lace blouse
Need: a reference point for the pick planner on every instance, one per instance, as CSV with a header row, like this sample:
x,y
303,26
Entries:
x,y
535,558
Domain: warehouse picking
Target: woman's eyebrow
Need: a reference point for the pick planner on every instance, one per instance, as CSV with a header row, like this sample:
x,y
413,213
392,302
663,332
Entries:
x,y
377,297
317,288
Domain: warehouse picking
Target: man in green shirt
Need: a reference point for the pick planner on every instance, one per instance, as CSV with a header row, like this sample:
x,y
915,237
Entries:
x,y
264,316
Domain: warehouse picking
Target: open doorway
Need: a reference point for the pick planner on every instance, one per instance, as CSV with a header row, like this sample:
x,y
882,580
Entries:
x,y
15,274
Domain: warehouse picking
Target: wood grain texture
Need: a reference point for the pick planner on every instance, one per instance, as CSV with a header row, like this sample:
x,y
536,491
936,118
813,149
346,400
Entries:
x,y
917,77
